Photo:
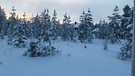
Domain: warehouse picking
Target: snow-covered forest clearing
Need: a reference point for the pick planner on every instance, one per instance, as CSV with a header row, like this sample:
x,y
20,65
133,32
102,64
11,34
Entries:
x,y
43,45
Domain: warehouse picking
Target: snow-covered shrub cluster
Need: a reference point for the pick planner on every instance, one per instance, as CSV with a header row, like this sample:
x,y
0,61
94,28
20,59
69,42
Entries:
x,y
41,49
105,46
20,42
124,54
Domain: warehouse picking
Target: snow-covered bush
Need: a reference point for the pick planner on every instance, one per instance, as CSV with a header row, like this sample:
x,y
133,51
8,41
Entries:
x,y
1,37
39,48
85,46
19,42
105,46
126,51
9,41
19,36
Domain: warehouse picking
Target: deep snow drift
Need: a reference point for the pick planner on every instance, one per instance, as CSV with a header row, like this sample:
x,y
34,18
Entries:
x,y
74,60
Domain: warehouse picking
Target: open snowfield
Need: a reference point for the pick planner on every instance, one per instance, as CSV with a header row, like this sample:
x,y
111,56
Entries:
x,y
74,60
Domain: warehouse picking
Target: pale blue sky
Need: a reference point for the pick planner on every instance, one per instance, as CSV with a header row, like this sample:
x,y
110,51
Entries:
x,y
100,9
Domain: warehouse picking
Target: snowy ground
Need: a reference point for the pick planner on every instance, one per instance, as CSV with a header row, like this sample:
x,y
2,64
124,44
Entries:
x,y
75,60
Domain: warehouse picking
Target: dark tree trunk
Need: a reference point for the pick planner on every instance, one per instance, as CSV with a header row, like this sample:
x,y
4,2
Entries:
x,y
133,46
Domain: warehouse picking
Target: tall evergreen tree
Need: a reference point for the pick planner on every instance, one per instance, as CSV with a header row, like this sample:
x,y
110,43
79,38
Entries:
x,y
126,20
19,34
66,20
25,26
85,29
36,26
103,31
12,22
115,28
46,33
66,28
127,26
3,22
55,26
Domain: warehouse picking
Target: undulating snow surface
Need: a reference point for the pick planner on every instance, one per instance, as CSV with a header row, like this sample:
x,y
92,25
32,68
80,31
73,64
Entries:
x,y
75,60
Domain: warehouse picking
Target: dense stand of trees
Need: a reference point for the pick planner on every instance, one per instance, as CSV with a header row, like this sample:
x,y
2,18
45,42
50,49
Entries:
x,y
46,28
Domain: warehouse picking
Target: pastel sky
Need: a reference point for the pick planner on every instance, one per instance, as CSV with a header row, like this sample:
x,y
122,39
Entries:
x,y
100,9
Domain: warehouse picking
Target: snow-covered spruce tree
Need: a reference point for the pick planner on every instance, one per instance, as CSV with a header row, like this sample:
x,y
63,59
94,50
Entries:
x,y
55,26
85,28
127,26
12,21
25,26
3,23
67,30
15,31
19,34
46,31
36,27
19,37
102,33
115,28
72,33
102,30
65,35
40,49
125,20
81,35
29,33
